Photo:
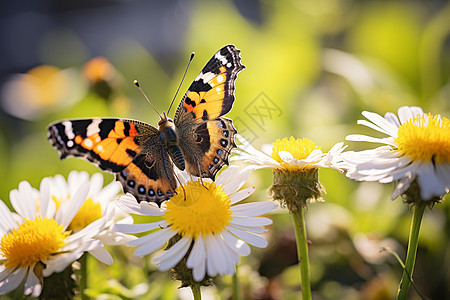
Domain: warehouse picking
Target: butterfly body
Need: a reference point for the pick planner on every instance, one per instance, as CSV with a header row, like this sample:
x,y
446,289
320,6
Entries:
x,y
199,139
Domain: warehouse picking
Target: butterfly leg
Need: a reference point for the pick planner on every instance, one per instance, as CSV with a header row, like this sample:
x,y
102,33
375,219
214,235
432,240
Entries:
x,y
201,178
181,185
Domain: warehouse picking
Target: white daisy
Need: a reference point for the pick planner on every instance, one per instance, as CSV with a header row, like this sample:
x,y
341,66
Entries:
x,y
100,203
295,164
210,219
288,154
37,240
417,149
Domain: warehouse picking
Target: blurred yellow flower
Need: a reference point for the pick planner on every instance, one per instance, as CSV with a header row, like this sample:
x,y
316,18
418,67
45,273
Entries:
x,y
41,90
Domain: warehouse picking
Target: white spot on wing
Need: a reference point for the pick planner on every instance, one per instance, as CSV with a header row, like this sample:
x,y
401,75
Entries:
x,y
68,130
219,78
70,144
205,77
93,127
222,58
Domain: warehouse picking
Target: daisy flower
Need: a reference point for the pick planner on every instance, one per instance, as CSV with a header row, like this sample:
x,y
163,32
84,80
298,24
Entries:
x,y
415,154
289,154
295,164
204,217
99,204
47,233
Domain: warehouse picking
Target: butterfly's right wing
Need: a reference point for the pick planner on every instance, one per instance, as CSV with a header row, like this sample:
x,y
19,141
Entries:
x,y
131,149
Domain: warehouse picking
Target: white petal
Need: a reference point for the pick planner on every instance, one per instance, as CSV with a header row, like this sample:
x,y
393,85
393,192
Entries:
x,y
95,184
241,195
257,221
112,238
253,229
217,260
102,255
13,280
232,257
365,138
430,184
151,209
392,118
234,182
198,253
58,263
402,185
23,200
4,273
384,125
285,155
197,259
211,268
76,179
235,244
174,254
135,228
226,175
129,204
6,220
87,232
68,209
32,285
108,193
443,172
44,196
152,242
405,113
253,209
248,237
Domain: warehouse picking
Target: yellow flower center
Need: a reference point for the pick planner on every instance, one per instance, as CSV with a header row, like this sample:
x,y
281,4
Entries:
x,y
88,213
198,209
299,148
425,138
32,241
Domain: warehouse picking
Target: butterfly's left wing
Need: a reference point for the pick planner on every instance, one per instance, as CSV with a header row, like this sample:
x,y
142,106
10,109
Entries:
x,y
205,136
131,149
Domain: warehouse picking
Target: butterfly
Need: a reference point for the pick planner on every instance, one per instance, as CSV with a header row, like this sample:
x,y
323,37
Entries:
x,y
198,140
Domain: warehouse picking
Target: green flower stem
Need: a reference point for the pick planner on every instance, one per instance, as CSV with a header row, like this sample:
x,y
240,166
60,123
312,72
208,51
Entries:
x,y
412,251
235,285
83,276
196,291
302,250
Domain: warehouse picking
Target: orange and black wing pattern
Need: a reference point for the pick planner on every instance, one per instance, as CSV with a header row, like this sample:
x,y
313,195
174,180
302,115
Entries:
x,y
205,136
131,149
211,95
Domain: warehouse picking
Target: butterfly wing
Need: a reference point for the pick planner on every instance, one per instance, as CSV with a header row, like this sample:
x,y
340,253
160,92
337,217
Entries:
x,y
205,137
131,149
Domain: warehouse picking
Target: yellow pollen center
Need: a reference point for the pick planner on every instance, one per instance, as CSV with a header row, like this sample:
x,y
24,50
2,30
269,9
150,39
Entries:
x,y
88,213
32,241
425,138
299,148
204,209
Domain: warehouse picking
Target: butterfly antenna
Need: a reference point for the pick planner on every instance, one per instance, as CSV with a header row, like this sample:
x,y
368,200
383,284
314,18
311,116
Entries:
x,y
136,83
182,79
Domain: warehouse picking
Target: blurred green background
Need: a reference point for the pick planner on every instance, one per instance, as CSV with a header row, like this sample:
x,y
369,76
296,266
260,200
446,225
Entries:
x,y
311,68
